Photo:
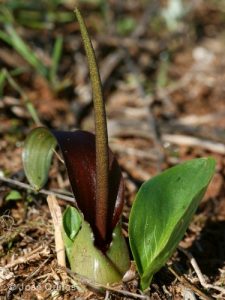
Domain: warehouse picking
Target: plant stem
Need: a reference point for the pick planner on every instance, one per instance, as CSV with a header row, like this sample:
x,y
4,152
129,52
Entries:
x,y
102,156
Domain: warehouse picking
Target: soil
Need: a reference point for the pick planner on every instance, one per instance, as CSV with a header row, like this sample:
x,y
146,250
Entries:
x,y
164,92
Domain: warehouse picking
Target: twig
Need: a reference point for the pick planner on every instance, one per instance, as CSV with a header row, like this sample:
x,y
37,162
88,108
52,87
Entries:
x,y
188,294
125,293
107,295
42,191
30,256
195,120
16,287
37,270
185,140
189,285
100,288
120,148
58,157
199,273
57,223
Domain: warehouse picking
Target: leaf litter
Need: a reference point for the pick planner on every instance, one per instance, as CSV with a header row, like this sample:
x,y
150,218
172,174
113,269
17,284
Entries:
x,y
147,101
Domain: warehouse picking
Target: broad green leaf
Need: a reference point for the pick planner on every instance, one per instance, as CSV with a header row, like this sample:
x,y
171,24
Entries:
x,y
13,195
162,211
71,222
37,156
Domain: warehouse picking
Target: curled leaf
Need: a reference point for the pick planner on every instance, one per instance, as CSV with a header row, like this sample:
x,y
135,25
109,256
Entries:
x,y
87,260
13,195
71,222
37,156
78,149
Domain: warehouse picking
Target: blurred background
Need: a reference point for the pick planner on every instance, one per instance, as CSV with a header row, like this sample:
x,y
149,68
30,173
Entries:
x,y
162,70
162,67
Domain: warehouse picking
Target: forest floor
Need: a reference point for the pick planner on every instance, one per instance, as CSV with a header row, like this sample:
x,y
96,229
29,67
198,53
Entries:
x,y
165,100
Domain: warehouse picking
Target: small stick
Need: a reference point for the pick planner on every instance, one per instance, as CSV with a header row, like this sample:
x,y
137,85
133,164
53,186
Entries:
x,y
107,295
188,294
37,270
101,288
57,223
189,285
16,287
195,120
59,157
30,256
199,273
120,148
125,293
185,140
42,191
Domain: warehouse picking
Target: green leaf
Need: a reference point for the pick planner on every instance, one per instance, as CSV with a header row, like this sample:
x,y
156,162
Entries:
x,y
71,225
162,212
37,156
56,55
13,195
71,222
125,26
87,260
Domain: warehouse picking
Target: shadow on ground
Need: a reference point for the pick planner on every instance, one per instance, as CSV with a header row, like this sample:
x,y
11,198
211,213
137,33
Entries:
x,y
209,248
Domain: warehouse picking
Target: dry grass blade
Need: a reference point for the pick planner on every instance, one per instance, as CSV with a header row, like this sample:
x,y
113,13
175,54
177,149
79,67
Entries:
x,y
57,223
